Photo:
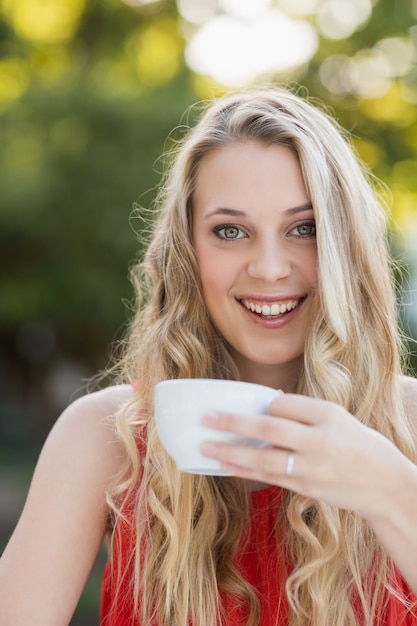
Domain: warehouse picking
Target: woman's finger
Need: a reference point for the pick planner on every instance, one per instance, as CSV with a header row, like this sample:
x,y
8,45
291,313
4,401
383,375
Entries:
x,y
264,463
303,409
276,431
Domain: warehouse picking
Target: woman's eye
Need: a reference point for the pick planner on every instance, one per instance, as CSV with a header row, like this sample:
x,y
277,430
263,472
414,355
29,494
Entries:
x,y
307,229
229,232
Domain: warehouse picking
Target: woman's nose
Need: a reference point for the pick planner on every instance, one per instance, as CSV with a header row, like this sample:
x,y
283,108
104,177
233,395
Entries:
x,y
269,261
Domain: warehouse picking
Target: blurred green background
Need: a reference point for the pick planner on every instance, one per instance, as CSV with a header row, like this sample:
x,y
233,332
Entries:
x,y
89,93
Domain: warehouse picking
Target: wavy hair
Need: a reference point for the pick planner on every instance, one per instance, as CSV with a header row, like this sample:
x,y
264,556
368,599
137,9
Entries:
x,y
187,528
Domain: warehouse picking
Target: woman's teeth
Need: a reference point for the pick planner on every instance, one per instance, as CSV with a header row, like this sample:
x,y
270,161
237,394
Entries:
x,y
270,310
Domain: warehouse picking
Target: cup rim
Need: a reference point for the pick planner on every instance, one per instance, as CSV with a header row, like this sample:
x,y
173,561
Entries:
x,y
208,381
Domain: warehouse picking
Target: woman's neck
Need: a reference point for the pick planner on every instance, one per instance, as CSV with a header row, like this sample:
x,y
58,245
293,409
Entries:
x,y
283,376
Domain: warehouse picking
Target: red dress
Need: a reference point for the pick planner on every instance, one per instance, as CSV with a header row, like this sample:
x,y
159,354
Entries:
x,y
258,563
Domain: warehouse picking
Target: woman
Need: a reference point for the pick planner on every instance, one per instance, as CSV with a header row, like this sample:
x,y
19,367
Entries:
x,y
268,263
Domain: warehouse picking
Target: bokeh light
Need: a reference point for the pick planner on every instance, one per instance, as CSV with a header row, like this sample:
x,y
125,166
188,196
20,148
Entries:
x,y
246,9
235,50
299,8
338,19
141,3
158,51
399,52
370,72
44,21
14,80
197,11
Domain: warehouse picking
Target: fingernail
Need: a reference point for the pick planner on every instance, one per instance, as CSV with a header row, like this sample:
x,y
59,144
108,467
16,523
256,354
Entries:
x,y
210,418
208,449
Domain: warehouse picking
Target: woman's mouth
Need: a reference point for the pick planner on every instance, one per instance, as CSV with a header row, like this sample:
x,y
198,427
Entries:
x,y
271,310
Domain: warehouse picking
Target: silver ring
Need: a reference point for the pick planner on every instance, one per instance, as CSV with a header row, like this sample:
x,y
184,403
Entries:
x,y
290,464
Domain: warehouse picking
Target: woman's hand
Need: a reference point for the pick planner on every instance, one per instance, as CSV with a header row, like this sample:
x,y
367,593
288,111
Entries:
x,y
318,449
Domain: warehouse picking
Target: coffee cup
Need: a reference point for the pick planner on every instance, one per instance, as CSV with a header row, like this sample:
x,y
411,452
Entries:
x,y
180,405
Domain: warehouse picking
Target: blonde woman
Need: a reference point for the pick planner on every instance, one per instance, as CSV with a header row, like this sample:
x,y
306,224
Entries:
x,y
268,263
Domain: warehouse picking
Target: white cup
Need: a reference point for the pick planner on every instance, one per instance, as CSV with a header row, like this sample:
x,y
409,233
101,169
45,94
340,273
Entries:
x,y
180,405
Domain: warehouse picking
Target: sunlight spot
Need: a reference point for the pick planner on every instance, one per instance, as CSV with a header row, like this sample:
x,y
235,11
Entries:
x,y
409,88
335,72
400,54
338,19
158,52
53,65
13,80
197,11
299,8
370,74
391,108
246,9
46,21
235,51
140,3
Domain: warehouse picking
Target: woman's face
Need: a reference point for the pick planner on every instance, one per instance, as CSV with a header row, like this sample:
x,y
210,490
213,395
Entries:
x,y
254,237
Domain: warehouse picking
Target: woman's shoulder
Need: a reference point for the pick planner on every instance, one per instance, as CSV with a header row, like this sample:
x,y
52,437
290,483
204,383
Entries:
x,y
409,389
102,402
88,425
95,411
82,451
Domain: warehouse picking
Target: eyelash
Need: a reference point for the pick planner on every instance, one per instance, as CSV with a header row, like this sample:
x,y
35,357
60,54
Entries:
x,y
217,230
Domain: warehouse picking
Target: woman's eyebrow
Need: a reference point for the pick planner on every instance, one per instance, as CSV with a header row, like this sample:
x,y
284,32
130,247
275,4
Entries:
x,y
225,211
299,209
302,208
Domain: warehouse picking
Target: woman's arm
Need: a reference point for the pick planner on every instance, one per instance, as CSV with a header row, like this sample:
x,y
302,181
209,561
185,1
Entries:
x,y
44,567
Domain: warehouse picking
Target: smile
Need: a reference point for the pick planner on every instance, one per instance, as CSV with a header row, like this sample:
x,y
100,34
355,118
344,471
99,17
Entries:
x,y
273,310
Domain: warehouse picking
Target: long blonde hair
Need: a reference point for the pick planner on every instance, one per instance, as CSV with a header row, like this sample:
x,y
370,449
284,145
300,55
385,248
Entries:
x,y
188,528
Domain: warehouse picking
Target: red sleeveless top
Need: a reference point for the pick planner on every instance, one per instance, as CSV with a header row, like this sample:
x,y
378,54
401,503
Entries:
x,y
259,564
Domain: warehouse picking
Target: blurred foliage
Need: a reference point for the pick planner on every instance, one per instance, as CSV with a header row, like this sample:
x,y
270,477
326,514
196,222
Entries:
x,y
89,92
78,145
